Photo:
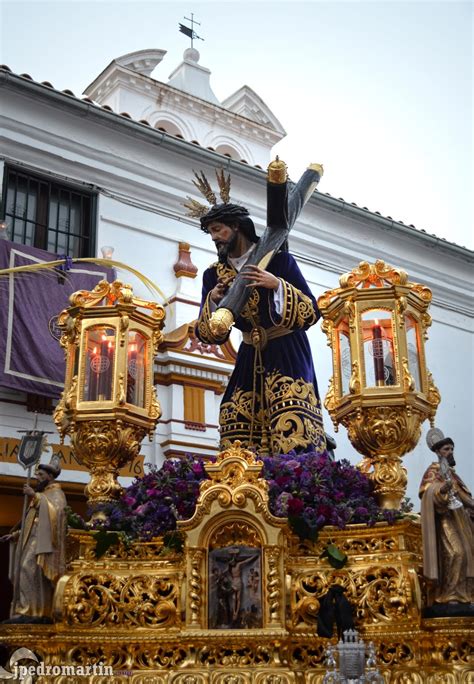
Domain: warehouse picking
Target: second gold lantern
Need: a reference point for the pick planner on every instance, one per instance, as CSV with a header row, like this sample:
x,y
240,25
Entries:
x,y
381,390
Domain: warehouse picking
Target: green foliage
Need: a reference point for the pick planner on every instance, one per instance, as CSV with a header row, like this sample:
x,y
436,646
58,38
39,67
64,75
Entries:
x,y
105,540
337,559
74,520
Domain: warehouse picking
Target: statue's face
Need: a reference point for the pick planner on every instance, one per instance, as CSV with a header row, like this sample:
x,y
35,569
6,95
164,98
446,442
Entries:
x,y
447,451
224,237
44,478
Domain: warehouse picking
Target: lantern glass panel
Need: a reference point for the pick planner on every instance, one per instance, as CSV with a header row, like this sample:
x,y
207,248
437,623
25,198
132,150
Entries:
x,y
99,367
413,348
136,368
377,339
344,355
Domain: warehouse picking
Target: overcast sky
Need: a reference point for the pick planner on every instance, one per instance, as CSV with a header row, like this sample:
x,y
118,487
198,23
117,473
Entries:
x,y
380,92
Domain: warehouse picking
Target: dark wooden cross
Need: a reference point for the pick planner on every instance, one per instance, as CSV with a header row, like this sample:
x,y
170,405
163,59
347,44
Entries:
x,y
283,208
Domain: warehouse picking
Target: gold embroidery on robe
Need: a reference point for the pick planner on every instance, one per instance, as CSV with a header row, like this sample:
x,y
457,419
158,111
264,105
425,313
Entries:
x,y
298,309
292,415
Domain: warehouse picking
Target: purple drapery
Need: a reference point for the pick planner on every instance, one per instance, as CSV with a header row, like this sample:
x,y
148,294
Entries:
x,y
31,358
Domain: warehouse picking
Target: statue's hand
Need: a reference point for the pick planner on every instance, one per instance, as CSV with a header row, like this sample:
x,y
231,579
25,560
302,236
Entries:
x,y
446,488
9,537
258,277
219,290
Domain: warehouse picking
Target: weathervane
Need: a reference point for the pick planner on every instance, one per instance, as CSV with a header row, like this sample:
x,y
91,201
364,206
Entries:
x,y
190,32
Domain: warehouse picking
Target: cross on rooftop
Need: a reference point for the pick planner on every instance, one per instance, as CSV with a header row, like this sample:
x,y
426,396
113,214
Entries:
x,y
190,32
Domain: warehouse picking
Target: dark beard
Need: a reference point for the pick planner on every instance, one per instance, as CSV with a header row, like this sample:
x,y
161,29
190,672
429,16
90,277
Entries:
x,y
41,485
223,248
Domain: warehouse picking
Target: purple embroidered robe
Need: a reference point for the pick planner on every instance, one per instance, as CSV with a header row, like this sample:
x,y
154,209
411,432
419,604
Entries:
x,y
272,400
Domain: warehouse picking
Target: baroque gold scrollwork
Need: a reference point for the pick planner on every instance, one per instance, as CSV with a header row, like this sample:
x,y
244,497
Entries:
x,y
233,533
130,601
373,274
104,447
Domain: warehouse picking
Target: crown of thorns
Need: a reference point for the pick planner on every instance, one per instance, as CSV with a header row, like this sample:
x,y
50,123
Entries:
x,y
198,210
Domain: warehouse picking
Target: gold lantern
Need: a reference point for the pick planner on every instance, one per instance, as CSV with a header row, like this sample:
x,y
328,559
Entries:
x,y
381,390
109,403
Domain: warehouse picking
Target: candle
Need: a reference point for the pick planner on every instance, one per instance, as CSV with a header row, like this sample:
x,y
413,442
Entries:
x,y
377,350
132,373
105,368
93,375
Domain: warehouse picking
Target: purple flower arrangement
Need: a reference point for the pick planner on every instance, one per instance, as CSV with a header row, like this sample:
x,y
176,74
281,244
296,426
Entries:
x,y
311,490
152,504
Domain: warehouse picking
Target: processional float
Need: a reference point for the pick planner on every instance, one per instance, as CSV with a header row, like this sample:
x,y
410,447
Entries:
x,y
147,610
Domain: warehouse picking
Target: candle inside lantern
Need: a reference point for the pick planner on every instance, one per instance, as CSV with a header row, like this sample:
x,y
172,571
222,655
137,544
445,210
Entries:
x,y
104,368
132,373
93,375
377,351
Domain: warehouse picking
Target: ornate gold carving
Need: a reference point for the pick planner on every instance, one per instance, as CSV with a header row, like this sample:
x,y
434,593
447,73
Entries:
x,y
125,609
354,382
379,595
408,379
195,587
385,434
390,479
114,293
155,409
104,447
383,418
327,326
71,328
422,292
401,308
381,430
220,323
106,433
426,321
434,397
105,599
349,311
233,506
90,298
329,400
277,172
304,612
121,391
374,275
274,587
234,534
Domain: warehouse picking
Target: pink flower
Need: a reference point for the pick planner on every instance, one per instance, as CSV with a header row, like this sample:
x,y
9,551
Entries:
x,y
295,506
